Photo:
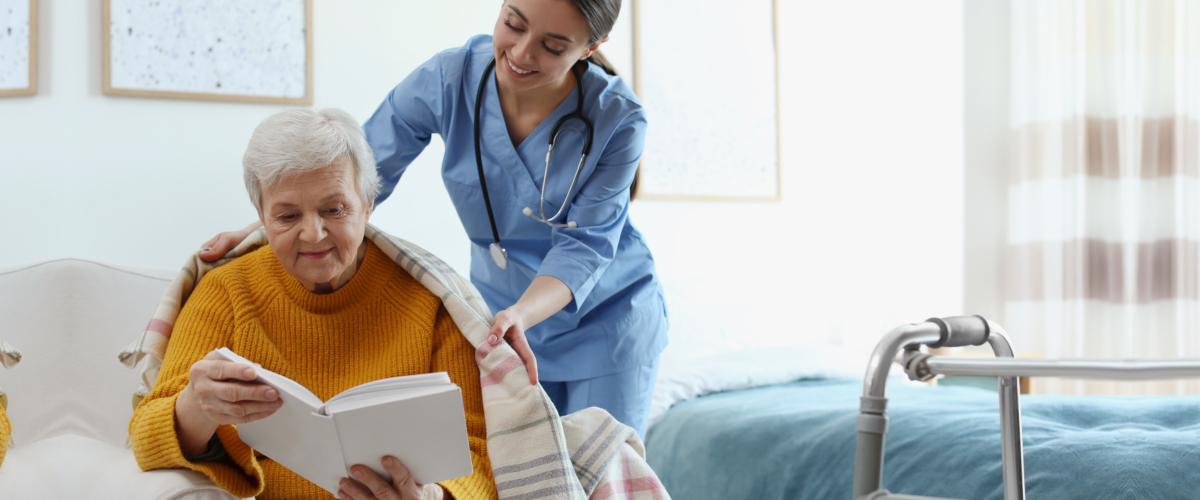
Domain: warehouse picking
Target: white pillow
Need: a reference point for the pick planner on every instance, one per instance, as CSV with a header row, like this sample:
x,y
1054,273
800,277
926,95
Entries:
x,y
747,368
70,466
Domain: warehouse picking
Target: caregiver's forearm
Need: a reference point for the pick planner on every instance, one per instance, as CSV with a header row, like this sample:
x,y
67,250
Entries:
x,y
544,297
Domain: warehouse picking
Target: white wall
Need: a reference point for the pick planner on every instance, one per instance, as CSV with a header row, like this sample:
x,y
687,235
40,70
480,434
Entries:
x,y
146,181
869,233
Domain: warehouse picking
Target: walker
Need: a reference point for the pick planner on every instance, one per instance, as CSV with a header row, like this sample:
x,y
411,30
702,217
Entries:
x,y
962,331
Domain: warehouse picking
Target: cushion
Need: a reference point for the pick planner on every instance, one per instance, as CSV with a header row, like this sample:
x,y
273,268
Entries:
x,y
69,316
70,466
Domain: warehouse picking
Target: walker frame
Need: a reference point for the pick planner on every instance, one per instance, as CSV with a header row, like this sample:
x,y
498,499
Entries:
x,y
961,331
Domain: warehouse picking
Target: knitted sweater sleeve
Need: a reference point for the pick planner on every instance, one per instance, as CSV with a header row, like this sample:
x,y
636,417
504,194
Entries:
x,y
452,353
205,323
5,434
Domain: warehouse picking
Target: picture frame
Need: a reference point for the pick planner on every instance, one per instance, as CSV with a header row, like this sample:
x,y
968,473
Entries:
x,y
22,80
187,50
686,158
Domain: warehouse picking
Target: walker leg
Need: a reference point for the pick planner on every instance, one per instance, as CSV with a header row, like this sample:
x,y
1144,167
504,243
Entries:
x,y
868,457
1012,448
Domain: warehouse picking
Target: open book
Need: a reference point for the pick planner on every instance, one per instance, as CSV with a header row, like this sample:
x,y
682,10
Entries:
x,y
418,419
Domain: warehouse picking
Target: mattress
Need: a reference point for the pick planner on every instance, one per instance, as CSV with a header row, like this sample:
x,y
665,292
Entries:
x,y
796,441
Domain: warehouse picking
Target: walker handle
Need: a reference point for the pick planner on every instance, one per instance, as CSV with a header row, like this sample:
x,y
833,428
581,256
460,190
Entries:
x,y
959,331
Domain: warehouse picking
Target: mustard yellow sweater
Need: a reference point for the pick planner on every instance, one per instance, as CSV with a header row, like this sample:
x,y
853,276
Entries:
x,y
383,323
5,434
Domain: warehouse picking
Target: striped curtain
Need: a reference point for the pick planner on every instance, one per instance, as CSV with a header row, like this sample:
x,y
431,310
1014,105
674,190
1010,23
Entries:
x,y
1104,197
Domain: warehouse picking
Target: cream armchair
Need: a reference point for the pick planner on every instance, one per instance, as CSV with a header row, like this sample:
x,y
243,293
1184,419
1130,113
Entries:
x,y
69,401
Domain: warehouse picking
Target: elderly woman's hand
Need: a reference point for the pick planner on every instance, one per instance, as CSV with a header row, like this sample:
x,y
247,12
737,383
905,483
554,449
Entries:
x,y
218,393
402,486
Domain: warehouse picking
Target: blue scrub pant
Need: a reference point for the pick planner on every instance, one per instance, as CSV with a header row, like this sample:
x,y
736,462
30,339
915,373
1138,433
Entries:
x,y
625,395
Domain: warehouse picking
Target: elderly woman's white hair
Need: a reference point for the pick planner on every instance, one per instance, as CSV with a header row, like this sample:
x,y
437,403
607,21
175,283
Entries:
x,y
300,140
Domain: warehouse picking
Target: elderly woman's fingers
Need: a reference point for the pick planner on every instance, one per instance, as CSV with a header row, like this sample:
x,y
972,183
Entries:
x,y
370,487
222,370
402,480
234,392
250,417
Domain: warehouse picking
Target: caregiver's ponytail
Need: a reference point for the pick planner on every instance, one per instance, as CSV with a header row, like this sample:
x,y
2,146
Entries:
x,y
601,15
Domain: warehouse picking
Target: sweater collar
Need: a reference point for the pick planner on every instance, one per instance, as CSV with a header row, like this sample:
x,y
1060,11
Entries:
x,y
367,281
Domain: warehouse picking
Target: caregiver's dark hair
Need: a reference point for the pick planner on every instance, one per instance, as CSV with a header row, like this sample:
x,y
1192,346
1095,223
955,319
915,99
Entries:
x,y
601,15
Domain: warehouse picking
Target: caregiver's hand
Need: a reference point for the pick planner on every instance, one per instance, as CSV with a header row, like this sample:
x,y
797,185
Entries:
x,y
510,325
219,393
544,297
222,243
402,486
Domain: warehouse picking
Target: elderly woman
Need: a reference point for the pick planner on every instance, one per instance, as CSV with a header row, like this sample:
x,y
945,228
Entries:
x,y
320,305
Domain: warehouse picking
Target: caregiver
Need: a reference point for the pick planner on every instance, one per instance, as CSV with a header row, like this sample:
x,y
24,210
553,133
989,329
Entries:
x,y
574,287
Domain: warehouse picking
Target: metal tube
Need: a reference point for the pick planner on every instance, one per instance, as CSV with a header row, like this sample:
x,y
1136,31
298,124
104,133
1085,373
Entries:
x,y
868,460
875,383
1130,369
868,464
1011,445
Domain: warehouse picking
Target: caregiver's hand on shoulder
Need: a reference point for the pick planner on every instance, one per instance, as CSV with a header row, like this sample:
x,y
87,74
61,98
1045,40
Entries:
x,y
401,487
510,325
218,393
222,243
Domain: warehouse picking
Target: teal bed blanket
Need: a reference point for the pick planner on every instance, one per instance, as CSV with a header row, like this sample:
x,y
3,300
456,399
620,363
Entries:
x,y
796,441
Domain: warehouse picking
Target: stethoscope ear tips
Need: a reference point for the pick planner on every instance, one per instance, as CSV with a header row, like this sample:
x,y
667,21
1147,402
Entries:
x,y
572,224
528,211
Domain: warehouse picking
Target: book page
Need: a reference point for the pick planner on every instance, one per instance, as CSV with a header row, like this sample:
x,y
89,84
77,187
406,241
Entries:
x,y
365,399
395,384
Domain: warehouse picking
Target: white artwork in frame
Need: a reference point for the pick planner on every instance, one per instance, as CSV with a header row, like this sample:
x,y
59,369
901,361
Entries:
x,y
224,50
18,47
712,102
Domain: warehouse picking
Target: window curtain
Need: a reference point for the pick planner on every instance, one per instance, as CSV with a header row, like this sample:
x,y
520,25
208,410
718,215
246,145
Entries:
x,y
1104,199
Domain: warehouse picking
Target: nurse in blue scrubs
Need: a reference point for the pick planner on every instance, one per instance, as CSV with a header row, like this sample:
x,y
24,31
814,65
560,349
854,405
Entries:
x,y
580,301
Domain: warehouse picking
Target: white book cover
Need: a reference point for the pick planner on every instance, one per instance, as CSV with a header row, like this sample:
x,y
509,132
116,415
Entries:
x,y
418,419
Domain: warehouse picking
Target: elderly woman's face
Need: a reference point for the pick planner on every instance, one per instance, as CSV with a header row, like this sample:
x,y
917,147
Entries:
x,y
315,223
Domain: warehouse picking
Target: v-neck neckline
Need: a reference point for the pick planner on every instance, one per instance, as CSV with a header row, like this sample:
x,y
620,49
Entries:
x,y
502,144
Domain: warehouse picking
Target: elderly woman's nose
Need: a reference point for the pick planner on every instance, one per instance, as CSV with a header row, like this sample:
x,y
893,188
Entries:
x,y
312,229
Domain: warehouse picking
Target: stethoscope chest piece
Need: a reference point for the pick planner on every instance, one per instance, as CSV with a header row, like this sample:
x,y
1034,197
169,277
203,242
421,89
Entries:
x,y
499,256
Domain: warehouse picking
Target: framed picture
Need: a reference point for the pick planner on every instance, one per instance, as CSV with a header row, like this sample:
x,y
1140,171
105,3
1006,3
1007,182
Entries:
x,y
18,47
217,50
712,101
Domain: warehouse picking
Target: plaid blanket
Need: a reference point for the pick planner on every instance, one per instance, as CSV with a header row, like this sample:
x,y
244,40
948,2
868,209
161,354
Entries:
x,y
535,453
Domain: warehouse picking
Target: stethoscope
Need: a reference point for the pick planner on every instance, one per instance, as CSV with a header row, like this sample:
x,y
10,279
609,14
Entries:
x,y
499,255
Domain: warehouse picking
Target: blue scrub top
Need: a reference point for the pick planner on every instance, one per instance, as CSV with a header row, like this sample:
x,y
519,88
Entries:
x,y
617,320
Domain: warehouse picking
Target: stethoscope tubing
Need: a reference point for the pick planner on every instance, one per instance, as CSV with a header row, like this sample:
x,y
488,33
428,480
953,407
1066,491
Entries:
x,y
499,255
479,153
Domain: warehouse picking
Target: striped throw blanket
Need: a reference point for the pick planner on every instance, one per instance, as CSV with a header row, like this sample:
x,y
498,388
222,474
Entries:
x,y
535,453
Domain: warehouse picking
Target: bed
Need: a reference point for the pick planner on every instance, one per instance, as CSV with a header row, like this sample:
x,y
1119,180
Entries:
x,y
795,440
